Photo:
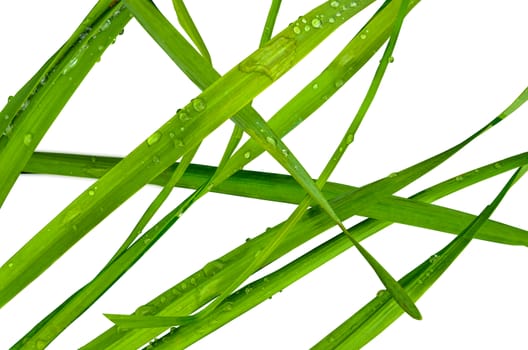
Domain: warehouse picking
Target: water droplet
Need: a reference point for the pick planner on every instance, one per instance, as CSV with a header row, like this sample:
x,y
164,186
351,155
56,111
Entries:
x,y
316,23
9,98
315,86
155,159
153,138
297,30
105,25
213,268
380,293
338,83
247,155
391,59
28,138
183,116
349,139
163,299
304,20
353,4
199,105
363,36
334,4
6,117
338,14
91,192
285,152
10,265
41,344
193,281
497,165
307,28
433,258
459,178
70,65
179,143
24,105
146,310
227,307
183,286
271,141
248,290
393,175
331,20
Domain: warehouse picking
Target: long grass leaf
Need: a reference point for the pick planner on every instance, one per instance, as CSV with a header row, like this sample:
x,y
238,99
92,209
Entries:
x,y
32,111
185,19
270,22
370,321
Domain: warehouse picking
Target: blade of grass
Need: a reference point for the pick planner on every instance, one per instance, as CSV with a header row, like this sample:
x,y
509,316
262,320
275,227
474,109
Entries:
x,y
202,115
157,202
372,320
211,280
35,107
188,25
264,288
270,22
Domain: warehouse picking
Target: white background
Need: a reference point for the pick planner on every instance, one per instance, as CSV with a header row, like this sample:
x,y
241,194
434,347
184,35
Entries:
x,y
457,65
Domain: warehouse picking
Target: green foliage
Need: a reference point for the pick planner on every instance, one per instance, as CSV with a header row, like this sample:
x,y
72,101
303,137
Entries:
x,y
219,292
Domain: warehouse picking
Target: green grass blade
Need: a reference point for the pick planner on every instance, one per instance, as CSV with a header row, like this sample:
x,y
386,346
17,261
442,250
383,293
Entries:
x,y
215,276
202,115
137,321
32,111
270,22
188,25
370,321
157,202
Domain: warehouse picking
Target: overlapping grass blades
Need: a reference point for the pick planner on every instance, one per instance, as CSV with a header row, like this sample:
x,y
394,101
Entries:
x,y
154,162
180,134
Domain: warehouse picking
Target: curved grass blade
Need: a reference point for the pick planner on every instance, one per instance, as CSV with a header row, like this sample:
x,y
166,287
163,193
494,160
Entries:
x,y
380,312
202,115
211,280
185,20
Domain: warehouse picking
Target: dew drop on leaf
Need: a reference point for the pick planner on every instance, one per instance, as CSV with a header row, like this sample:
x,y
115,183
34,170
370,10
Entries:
x,y
271,141
153,138
297,30
334,4
28,138
247,155
199,105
